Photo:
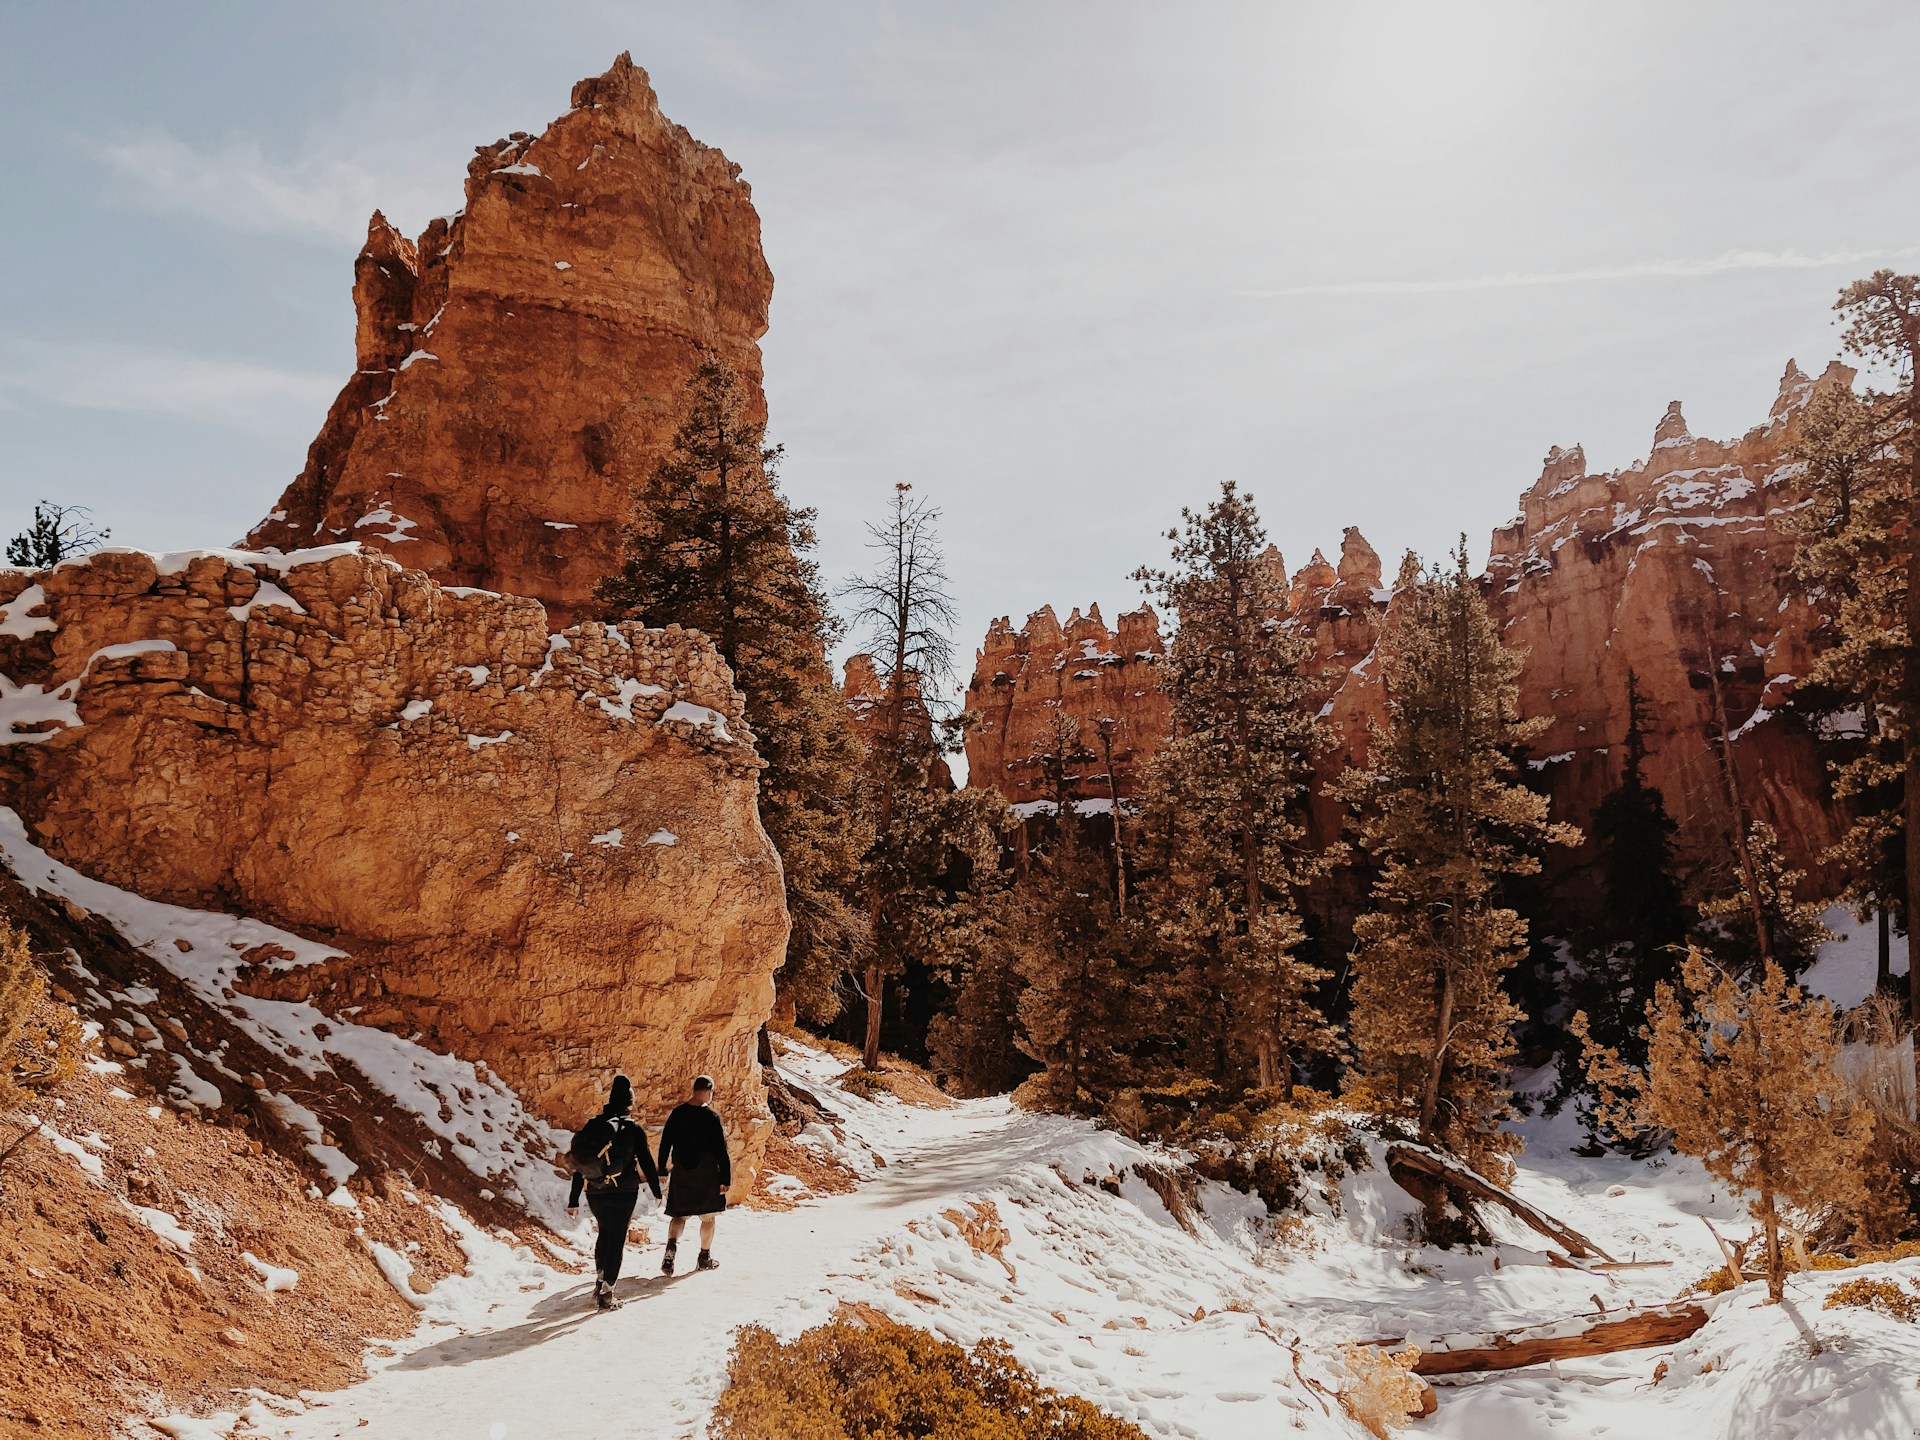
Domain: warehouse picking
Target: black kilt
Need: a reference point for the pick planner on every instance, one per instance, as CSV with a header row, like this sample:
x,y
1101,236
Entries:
x,y
695,1189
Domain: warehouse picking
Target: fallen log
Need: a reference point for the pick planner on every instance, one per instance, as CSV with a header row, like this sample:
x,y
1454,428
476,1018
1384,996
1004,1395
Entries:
x,y
1566,1340
1417,1171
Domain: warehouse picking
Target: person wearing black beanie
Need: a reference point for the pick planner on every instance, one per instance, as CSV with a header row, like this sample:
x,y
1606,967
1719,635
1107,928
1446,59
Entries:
x,y
693,1145
609,1157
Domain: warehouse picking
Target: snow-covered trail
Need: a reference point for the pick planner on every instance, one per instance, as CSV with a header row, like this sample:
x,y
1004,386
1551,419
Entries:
x,y
528,1356
1210,1326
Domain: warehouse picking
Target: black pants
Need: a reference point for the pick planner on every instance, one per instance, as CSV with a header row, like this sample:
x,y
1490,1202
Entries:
x,y
612,1209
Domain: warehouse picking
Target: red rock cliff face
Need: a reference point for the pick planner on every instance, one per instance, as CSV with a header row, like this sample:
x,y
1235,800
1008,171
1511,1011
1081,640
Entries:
x,y
520,366
1096,675
538,851
1675,568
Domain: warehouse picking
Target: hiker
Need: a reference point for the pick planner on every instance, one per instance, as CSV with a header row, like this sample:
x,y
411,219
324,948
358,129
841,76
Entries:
x,y
694,1146
610,1155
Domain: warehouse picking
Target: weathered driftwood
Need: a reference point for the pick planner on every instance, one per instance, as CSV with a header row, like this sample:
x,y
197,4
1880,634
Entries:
x,y
1568,1340
1593,1267
1418,1171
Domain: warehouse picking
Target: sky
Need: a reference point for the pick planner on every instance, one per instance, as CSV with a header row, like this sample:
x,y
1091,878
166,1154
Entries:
x,y
1065,267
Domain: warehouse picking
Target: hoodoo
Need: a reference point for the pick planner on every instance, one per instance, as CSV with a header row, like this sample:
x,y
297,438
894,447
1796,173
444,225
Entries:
x,y
1676,568
519,367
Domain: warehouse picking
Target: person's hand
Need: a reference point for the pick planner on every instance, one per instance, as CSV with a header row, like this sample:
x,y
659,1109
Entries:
x,y
572,1210
723,1189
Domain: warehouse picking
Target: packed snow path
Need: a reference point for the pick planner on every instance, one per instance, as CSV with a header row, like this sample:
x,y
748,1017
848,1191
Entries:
x,y
1224,1329
532,1358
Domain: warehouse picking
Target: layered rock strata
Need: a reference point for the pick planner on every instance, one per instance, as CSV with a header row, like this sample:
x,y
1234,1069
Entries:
x,y
1107,680
519,368
1675,569
538,851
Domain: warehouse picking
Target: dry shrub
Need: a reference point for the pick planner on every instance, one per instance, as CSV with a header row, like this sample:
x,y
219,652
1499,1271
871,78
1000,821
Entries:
x,y
1881,1296
880,1380
981,1228
1382,1393
867,1084
1879,1078
40,1039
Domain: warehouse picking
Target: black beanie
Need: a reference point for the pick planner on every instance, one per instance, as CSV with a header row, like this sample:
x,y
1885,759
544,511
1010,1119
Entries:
x,y
621,1100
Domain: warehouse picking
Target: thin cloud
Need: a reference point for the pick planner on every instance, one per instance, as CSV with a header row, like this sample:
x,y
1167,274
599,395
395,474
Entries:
x,y
1726,262
315,198
254,399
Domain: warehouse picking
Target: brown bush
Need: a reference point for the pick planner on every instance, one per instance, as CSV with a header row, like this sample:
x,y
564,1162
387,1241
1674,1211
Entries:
x,y
40,1040
1881,1296
880,1380
1382,1393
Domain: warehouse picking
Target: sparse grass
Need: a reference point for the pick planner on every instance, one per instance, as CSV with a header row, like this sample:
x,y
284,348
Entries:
x,y
867,1084
865,1377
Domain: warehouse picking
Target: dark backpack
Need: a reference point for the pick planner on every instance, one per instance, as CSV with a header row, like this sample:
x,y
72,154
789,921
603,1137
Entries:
x,y
596,1150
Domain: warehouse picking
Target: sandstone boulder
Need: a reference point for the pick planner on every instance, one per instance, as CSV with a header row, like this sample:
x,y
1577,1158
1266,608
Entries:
x,y
541,851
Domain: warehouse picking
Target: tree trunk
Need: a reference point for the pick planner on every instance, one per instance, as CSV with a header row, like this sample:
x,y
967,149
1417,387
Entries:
x,y
1731,777
1443,1025
1776,1260
1912,705
1883,964
876,990
1113,799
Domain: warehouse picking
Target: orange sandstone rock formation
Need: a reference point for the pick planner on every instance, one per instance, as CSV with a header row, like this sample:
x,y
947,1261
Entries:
x,y
540,851
1675,568
1096,675
520,367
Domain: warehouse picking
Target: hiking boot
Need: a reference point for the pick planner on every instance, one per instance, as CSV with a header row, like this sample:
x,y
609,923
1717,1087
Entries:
x,y
603,1296
707,1262
666,1260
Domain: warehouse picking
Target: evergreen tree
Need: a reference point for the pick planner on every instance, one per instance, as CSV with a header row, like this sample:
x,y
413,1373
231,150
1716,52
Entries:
x,y
1632,944
974,1043
1882,315
1081,1016
1765,922
1227,795
927,842
1850,561
1442,819
57,533
1745,1074
713,545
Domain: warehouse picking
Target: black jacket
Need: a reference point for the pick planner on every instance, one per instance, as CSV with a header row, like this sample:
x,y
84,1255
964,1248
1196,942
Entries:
x,y
694,1133
632,1158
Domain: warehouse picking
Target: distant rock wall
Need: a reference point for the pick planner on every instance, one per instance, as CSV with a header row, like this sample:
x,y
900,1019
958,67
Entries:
x,y
540,851
1675,568
520,367
1097,676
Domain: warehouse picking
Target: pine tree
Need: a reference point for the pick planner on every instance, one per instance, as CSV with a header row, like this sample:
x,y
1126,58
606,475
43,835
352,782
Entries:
x,y
1082,1016
1226,795
974,1043
57,532
1779,927
926,841
713,545
1442,819
1882,315
1633,942
1851,563
1745,1074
